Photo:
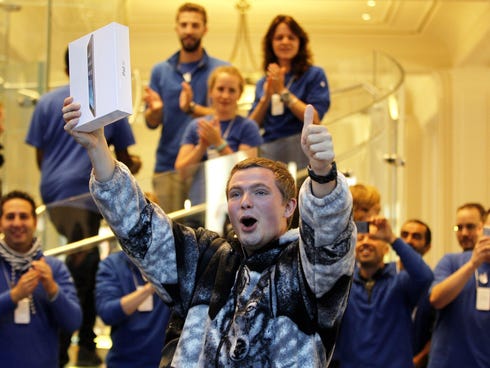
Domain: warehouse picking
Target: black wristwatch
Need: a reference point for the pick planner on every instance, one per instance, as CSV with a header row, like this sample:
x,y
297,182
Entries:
x,y
323,179
286,97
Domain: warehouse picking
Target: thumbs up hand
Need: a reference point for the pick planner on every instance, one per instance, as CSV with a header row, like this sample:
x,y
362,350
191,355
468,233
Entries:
x,y
317,144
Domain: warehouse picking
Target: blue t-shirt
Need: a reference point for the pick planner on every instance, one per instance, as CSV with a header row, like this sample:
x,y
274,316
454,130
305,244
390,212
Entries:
x,y
311,88
237,131
65,168
137,339
166,80
461,336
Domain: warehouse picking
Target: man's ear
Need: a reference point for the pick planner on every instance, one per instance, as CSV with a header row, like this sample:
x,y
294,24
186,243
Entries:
x,y
290,207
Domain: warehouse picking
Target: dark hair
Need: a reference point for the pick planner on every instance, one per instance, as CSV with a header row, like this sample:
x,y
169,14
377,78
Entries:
x,y
191,7
17,194
477,206
303,59
428,233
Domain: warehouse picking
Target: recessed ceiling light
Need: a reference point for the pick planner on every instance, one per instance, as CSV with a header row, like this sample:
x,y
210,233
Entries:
x,y
366,17
371,3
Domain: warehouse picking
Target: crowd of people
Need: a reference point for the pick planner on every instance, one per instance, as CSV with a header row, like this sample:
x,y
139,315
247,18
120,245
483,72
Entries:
x,y
265,293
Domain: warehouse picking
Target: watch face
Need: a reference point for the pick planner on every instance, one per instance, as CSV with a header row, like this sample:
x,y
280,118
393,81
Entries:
x,y
285,97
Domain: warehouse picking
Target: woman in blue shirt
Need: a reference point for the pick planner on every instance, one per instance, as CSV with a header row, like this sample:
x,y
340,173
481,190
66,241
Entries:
x,y
219,134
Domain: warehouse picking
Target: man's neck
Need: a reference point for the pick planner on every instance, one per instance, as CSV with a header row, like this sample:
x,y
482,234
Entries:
x,y
190,57
367,272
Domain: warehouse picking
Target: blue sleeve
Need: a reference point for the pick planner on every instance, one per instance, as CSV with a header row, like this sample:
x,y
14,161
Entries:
x,y
108,293
119,134
318,91
6,303
259,91
155,75
444,268
65,306
190,134
251,133
420,274
37,127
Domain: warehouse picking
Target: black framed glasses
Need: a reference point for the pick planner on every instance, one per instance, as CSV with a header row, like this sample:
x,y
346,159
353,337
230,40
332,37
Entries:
x,y
469,227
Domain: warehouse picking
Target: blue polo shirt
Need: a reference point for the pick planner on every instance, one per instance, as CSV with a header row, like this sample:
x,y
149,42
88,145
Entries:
x,y
66,167
311,88
166,79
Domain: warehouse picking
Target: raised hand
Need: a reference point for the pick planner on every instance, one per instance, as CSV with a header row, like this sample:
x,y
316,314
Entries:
x,y
152,99
94,142
71,116
275,77
45,276
317,144
186,96
210,131
25,286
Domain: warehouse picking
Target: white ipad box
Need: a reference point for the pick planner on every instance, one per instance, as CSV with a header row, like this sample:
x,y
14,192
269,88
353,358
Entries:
x,y
100,76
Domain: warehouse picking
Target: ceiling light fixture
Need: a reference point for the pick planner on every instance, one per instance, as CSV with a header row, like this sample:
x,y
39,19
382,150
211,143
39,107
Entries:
x,y
243,58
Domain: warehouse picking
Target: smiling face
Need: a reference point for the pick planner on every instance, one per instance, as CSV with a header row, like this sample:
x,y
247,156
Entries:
x,y
225,92
190,29
370,252
285,44
256,207
18,224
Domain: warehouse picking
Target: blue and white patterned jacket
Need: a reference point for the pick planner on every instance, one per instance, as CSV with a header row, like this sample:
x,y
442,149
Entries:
x,y
280,307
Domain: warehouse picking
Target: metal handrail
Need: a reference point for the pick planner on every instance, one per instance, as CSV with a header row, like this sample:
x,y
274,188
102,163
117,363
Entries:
x,y
89,243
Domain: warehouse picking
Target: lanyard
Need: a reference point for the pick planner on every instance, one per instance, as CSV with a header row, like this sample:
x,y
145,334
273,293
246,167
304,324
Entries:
x,y
228,129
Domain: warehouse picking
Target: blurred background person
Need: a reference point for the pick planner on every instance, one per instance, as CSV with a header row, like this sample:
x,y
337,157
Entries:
x,y
37,295
221,133
127,302
469,224
177,93
376,327
461,295
291,82
366,201
418,235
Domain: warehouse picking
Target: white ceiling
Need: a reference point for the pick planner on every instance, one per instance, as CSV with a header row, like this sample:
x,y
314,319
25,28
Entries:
x,y
418,33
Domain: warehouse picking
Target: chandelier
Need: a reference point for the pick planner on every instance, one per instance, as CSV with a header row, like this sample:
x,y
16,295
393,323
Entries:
x,y
243,58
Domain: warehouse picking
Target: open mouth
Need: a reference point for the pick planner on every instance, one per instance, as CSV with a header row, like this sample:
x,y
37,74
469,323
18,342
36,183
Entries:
x,y
248,222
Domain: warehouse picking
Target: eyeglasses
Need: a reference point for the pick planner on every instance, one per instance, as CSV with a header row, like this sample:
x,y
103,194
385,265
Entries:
x,y
469,227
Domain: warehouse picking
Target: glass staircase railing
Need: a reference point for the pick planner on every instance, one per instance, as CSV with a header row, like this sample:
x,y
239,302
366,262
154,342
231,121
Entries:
x,y
364,120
